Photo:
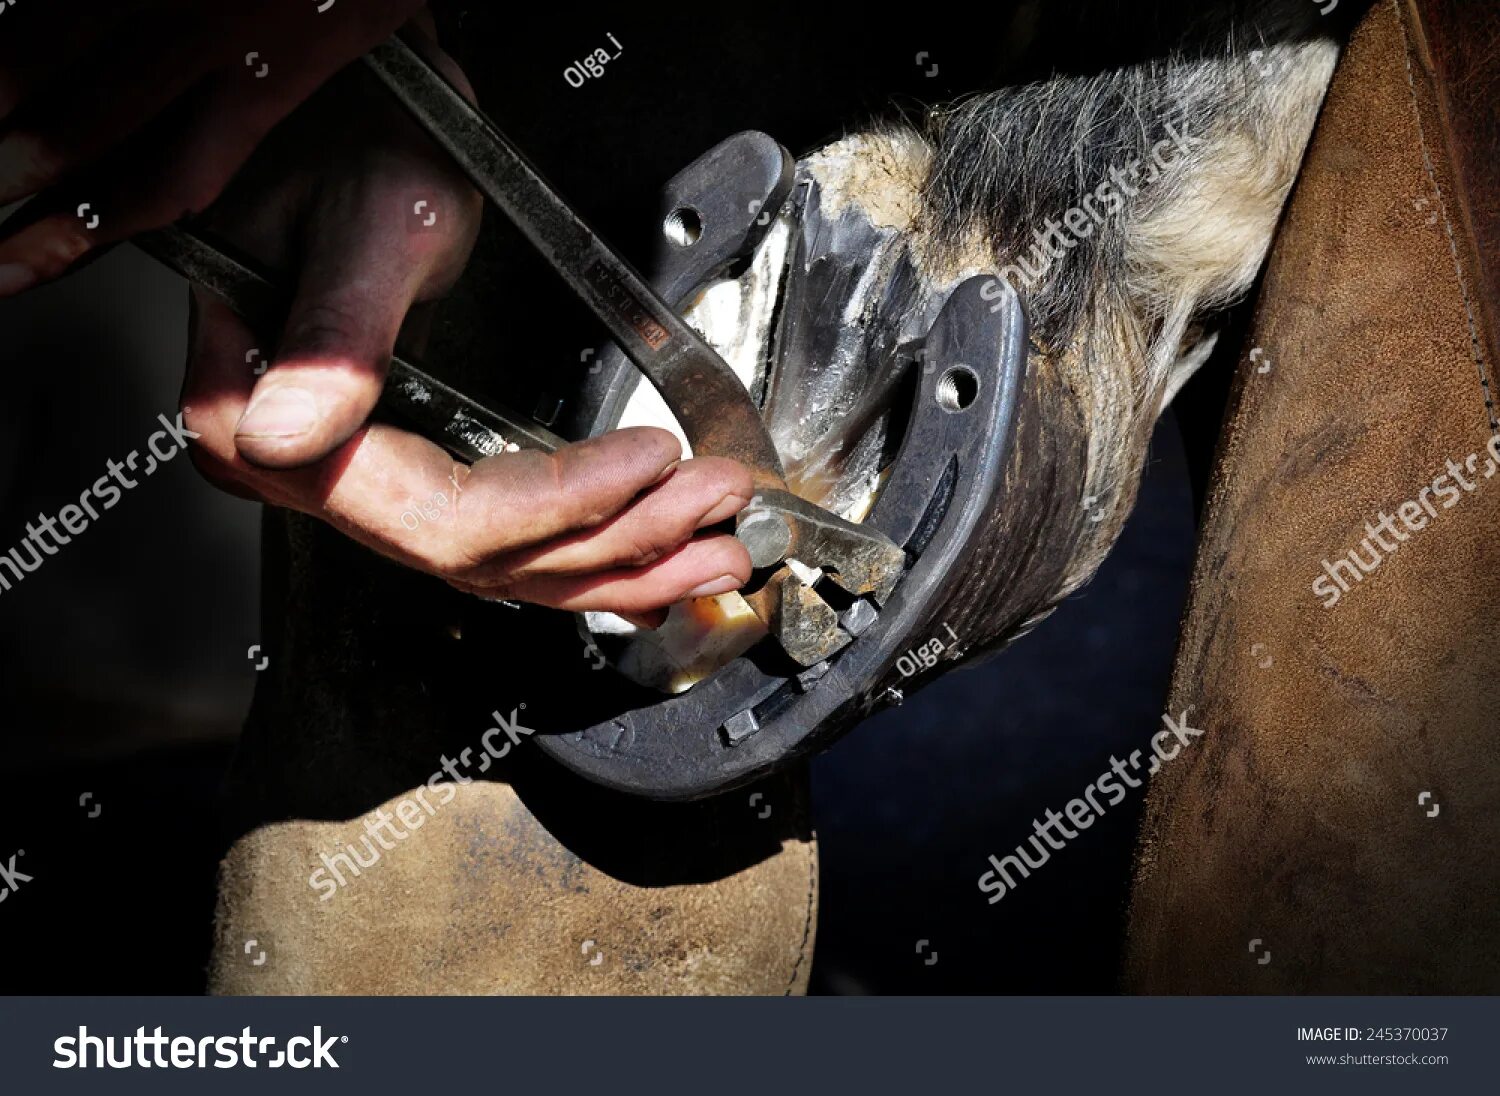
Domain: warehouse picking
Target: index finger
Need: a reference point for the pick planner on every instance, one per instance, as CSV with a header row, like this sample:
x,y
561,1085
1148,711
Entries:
x,y
375,487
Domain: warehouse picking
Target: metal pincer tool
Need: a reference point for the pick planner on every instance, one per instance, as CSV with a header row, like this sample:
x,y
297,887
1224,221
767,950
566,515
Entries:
x,y
745,718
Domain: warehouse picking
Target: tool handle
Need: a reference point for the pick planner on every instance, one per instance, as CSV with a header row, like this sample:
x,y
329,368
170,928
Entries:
x,y
467,429
703,392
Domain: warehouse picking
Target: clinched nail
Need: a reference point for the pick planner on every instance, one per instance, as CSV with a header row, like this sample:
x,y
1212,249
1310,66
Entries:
x,y
14,277
279,413
721,585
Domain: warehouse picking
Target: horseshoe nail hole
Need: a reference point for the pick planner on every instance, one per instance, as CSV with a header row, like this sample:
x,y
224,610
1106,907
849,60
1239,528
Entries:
x,y
683,226
957,389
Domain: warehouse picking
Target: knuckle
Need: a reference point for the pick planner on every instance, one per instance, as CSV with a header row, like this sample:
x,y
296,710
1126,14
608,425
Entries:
x,y
206,464
641,551
450,559
219,474
447,562
56,244
36,160
489,591
651,542
196,192
326,325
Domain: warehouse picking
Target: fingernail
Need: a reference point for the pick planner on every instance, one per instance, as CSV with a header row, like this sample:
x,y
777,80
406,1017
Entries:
x,y
279,413
665,472
14,277
721,585
728,506
650,621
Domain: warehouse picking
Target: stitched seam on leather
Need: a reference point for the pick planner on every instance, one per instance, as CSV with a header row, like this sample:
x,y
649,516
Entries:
x,y
812,883
812,886
1463,285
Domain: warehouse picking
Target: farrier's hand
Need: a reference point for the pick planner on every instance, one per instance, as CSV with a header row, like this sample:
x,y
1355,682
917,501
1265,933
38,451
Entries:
x,y
332,194
144,111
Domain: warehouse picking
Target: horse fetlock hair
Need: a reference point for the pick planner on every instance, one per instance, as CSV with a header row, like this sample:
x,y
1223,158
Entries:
x,y
1128,206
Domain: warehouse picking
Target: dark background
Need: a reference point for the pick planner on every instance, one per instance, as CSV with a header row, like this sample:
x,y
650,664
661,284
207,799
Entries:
x,y
123,666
